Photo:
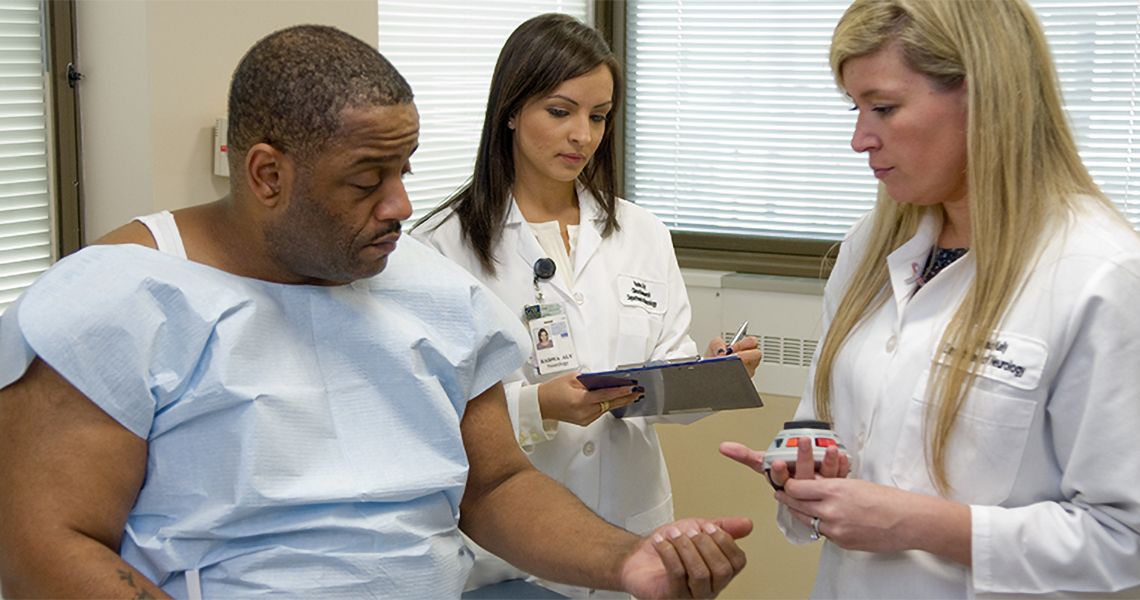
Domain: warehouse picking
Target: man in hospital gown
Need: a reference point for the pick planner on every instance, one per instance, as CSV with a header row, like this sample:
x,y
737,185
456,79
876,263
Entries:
x,y
275,393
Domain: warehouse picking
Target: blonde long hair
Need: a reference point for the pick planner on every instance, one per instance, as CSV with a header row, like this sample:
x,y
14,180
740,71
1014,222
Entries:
x,y
1022,171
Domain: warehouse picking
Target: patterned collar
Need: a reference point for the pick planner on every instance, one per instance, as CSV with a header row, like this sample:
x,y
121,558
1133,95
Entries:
x,y
939,259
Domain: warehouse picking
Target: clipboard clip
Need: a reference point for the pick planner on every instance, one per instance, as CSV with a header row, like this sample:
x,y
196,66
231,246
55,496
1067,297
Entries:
x,y
660,363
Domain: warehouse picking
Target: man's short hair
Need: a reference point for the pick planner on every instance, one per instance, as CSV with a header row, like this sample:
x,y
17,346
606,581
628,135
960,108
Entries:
x,y
290,88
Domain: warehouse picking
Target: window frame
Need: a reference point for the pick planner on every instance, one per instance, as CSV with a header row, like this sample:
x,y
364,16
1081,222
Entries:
x,y
66,184
57,102
716,252
723,252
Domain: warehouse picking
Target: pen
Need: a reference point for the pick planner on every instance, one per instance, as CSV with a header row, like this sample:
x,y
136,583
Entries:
x,y
740,333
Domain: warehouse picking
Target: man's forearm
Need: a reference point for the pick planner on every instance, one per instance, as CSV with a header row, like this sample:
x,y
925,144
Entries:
x,y
75,567
540,527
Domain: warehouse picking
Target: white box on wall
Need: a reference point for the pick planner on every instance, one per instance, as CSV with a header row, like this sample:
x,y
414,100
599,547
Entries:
x,y
783,313
221,156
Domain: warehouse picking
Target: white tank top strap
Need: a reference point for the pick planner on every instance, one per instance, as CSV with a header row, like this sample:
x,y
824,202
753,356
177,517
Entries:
x,y
165,232
193,582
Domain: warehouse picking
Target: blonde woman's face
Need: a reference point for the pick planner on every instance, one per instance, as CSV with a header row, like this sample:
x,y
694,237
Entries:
x,y
914,134
555,135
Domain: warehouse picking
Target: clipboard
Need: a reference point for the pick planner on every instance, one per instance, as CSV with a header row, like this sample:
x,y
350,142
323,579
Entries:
x,y
688,385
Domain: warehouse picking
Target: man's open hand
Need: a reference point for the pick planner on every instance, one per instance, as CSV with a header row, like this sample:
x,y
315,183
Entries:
x,y
690,558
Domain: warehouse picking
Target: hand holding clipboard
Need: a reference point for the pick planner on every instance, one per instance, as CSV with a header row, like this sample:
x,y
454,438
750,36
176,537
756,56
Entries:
x,y
681,386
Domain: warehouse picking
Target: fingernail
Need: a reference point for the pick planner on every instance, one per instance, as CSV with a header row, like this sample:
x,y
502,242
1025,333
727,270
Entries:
x,y
692,533
709,528
720,350
673,532
657,539
637,389
729,350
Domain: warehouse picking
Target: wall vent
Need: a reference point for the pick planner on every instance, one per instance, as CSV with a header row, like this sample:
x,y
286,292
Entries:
x,y
789,351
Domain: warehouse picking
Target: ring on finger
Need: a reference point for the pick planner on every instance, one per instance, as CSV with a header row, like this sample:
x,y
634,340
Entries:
x,y
605,406
815,534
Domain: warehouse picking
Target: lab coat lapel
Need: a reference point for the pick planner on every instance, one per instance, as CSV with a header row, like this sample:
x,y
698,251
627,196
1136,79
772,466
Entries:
x,y
530,250
590,222
908,261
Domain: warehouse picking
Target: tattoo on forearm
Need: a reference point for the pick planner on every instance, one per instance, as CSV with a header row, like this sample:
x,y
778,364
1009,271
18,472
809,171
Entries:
x,y
129,577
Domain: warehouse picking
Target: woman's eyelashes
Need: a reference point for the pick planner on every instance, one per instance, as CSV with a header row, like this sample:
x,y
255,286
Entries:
x,y
882,109
557,112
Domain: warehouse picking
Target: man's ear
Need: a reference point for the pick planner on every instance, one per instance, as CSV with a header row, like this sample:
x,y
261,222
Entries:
x,y
268,173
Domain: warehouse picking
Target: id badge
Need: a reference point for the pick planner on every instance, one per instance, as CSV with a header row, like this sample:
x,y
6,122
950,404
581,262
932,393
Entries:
x,y
550,337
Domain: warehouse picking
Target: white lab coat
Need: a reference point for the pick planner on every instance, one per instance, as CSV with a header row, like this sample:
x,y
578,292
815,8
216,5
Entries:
x,y
1044,451
613,465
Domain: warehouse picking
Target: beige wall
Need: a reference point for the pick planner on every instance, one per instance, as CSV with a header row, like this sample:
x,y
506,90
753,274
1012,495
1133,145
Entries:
x,y
157,73
706,484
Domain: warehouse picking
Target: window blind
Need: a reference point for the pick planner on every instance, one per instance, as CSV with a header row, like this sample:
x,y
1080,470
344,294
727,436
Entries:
x,y
1096,46
734,123
447,49
25,210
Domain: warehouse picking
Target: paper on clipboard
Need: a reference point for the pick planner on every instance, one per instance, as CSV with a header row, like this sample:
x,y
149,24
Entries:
x,y
681,386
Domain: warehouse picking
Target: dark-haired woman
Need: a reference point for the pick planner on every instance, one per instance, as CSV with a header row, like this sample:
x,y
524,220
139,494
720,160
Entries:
x,y
543,188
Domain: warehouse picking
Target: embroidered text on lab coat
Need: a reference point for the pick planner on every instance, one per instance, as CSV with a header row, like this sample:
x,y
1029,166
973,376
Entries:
x,y
641,292
1010,358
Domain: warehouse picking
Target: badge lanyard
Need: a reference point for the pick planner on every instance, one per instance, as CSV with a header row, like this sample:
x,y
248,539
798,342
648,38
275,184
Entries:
x,y
549,328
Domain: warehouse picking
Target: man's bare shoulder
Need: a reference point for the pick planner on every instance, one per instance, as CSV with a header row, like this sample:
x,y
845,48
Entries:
x,y
131,233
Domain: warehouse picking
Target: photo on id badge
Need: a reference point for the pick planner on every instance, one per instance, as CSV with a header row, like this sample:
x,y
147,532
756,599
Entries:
x,y
553,349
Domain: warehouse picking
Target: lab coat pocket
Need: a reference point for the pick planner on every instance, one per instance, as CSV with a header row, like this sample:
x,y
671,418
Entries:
x,y
633,338
985,448
644,522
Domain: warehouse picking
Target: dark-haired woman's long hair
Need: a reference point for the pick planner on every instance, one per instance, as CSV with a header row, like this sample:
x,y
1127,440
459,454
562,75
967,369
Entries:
x,y
542,53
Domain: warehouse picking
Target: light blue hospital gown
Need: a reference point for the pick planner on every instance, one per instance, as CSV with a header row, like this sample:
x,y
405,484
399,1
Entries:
x,y
302,440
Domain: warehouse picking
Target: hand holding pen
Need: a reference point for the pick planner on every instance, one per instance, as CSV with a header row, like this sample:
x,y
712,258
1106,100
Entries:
x,y
740,333
742,344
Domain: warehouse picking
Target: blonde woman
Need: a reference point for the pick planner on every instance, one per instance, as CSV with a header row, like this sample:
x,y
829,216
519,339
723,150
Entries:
x,y
992,293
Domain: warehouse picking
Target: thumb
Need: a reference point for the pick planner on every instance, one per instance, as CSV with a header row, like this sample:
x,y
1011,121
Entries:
x,y
737,527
